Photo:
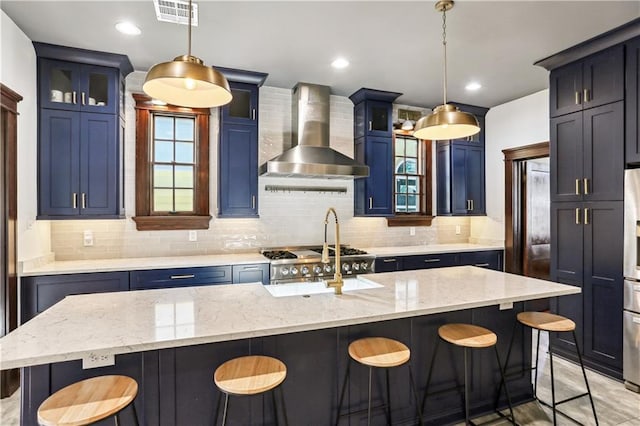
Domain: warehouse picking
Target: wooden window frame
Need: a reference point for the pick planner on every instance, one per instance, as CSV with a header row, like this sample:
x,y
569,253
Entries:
x,y
145,219
423,218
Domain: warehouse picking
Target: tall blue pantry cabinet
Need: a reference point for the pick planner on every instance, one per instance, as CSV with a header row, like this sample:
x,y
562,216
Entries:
x,y
588,91
238,146
80,132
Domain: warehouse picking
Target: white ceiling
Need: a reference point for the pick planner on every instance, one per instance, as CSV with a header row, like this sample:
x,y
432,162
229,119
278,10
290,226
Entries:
x,y
392,45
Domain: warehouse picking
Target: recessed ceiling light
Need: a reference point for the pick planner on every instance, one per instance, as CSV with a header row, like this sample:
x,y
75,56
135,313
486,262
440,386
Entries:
x,y
473,86
128,28
340,63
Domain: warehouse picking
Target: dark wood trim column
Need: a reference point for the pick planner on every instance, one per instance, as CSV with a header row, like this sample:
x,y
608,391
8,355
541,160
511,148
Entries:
x,y
10,379
527,152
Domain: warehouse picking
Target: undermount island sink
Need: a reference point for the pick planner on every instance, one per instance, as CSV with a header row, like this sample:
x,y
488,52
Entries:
x,y
318,287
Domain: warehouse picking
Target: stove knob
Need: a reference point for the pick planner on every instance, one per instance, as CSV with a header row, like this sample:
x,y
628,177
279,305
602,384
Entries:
x,y
294,270
327,268
355,266
284,271
304,270
346,267
317,269
364,265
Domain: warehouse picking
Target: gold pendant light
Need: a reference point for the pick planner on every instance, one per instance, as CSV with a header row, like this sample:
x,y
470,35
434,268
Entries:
x,y
446,121
187,81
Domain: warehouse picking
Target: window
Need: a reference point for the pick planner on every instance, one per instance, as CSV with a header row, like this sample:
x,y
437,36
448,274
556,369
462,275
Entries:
x,y
412,181
172,166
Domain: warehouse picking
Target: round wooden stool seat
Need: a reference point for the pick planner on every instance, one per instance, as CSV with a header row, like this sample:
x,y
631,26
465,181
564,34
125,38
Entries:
x,y
546,321
87,401
379,352
250,375
467,335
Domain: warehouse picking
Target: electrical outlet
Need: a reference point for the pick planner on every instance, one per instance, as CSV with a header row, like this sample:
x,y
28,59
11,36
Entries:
x,y
88,238
412,230
193,235
457,229
506,305
98,360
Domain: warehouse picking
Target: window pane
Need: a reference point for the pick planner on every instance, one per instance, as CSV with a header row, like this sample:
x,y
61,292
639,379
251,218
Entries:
x,y
411,166
163,127
184,177
162,176
400,147
184,152
401,184
413,186
184,200
184,129
163,200
412,147
399,167
163,152
401,203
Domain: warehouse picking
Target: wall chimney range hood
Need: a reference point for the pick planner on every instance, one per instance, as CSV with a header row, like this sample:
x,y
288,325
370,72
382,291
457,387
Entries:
x,y
311,155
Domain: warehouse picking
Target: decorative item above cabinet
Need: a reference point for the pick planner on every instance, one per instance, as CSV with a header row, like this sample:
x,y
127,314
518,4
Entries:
x,y
80,132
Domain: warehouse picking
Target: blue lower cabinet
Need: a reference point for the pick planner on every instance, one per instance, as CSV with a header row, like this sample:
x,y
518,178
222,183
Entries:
x,y
250,273
428,261
483,259
180,277
490,259
388,264
41,292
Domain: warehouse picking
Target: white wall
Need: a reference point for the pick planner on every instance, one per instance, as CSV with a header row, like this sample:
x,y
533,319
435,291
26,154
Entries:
x,y
18,72
517,123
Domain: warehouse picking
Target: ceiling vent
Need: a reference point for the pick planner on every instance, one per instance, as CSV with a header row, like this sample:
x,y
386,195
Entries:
x,y
175,11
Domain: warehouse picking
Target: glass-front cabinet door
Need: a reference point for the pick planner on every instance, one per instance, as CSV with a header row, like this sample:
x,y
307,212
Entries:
x,y
244,106
75,87
378,122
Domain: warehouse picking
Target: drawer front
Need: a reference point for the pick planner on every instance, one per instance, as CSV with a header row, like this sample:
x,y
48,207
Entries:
x,y
180,277
483,259
388,264
429,261
250,273
632,296
40,293
631,347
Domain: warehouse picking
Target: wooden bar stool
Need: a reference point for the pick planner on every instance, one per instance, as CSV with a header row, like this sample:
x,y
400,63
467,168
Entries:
x,y
469,336
250,375
88,401
378,352
544,321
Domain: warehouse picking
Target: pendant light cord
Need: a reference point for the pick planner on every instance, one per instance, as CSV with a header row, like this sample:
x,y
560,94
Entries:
x,y
189,38
444,46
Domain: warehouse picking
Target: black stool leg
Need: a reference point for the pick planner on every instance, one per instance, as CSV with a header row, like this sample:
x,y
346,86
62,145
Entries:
x,y
584,374
275,407
215,417
466,388
506,388
369,400
284,408
506,363
553,390
116,419
344,387
535,380
226,406
389,422
415,396
135,414
433,361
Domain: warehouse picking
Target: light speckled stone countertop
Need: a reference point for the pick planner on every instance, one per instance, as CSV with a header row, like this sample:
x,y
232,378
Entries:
x,y
133,264
92,325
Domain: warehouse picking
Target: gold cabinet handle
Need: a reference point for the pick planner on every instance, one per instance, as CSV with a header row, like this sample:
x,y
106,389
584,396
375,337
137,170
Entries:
x,y
586,95
586,216
82,96
577,215
74,200
75,97
84,200
253,202
578,98
577,186
585,183
370,203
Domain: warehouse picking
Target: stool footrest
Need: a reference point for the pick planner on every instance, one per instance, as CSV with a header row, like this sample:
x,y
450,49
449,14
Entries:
x,y
363,410
500,418
561,412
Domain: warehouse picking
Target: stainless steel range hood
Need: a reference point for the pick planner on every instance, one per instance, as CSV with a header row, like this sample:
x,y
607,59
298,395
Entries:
x,y
311,155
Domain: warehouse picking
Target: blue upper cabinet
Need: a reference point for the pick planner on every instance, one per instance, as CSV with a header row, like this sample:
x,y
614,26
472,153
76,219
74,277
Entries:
x,y
632,102
373,146
593,81
238,147
80,132
460,171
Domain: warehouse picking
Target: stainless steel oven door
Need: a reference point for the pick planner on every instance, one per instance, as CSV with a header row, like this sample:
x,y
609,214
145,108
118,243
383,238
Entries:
x,y
631,222
632,296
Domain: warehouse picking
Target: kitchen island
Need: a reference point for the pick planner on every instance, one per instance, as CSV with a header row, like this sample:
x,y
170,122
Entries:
x,y
171,341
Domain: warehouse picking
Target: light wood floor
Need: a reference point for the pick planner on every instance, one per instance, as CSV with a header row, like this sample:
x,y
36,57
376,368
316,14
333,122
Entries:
x,y
615,405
